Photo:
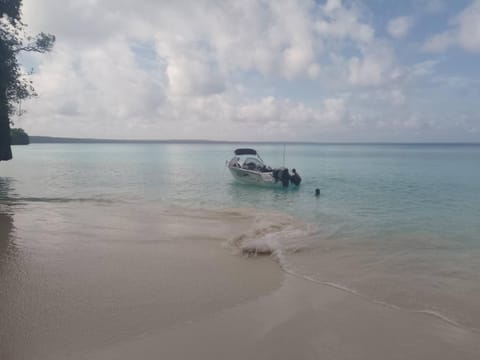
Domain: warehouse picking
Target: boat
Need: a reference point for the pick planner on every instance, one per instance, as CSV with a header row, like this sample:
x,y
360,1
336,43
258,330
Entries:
x,y
247,167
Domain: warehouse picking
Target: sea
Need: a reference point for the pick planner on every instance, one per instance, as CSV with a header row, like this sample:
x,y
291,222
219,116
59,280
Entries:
x,y
397,224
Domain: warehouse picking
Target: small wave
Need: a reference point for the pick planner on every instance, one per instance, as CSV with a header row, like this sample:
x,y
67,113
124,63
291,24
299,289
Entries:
x,y
274,234
354,292
441,317
280,235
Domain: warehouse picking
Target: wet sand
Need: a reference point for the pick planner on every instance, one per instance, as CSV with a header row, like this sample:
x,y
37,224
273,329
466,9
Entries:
x,y
163,285
301,321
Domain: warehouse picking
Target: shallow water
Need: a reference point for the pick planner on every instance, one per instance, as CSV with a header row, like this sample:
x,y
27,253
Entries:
x,y
397,224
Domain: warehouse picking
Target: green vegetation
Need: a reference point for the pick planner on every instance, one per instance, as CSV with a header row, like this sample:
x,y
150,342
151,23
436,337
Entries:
x,y
19,137
14,85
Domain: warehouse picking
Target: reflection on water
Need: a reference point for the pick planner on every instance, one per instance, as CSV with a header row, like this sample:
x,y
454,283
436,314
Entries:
x,y
8,258
6,188
280,199
7,245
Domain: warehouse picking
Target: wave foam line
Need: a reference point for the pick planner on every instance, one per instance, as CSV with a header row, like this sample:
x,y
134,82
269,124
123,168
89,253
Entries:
x,y
441,317
278,235
353,292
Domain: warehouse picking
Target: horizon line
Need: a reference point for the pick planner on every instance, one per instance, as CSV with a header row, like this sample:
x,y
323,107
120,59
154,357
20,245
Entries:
x,y
39,139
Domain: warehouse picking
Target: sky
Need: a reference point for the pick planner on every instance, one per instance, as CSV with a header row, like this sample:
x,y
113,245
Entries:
x,y
256,70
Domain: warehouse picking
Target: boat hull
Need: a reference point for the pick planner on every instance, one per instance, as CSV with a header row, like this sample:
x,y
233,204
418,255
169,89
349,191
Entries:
x,y
252,177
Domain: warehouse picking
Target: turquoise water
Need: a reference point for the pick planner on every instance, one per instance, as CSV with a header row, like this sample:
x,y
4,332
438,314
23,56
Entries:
x,y
366,190
408,212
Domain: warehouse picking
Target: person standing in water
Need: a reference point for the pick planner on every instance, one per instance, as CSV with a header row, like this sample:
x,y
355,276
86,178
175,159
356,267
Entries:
x,y
295,178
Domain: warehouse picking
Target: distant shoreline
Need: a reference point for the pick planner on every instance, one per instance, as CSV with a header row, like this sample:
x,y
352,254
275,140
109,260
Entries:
x,y
68,140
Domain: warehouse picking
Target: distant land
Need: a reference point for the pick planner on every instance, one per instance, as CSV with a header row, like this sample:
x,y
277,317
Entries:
x,y
68,140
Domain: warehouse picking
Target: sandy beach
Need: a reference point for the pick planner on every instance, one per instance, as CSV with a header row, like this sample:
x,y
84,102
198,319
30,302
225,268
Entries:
x,y
167,285
239,180
304,322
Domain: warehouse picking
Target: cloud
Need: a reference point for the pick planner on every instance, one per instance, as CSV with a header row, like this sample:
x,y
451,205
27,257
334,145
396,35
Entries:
x,y
433,6
334,111
469,27
422,69
439,42
400,26
99,89
375,68
342,23
193,77
239,70
464,32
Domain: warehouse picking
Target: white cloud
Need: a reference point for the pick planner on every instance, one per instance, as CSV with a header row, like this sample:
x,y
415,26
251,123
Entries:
x,y
424,68
375,68
334,111
464,32
397,97
193,77
469,27
400,26
439,42
216,70
100,89
339,22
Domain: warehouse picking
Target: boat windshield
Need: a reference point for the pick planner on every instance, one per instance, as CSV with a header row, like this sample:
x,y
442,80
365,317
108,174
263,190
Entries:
x,y
253,162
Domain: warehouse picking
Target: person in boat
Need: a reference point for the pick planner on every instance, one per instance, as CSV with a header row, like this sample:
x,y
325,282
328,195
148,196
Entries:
x,y
295,179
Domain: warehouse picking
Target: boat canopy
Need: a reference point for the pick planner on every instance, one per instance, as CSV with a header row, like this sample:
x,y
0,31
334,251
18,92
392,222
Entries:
x,y
245,152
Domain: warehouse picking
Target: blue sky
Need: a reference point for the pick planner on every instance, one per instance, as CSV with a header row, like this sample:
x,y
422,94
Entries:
x,y
293,70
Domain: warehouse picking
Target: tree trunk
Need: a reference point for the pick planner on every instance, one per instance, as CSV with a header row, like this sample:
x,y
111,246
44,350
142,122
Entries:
x,y
5,141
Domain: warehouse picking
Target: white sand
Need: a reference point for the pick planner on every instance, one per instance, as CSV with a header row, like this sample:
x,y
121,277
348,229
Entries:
x,y
179,294
302,321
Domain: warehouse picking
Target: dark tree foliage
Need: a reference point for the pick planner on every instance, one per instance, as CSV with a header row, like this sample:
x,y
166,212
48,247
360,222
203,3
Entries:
x,y
14,85
19,137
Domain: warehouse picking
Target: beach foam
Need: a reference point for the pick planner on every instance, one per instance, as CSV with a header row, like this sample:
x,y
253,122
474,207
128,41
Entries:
x,y
272,233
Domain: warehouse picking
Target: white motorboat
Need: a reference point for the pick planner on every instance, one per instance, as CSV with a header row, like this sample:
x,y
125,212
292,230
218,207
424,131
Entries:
x,y
248,167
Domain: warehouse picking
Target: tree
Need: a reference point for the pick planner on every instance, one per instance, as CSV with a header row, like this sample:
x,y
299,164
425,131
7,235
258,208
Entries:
x,y
19,137
14,85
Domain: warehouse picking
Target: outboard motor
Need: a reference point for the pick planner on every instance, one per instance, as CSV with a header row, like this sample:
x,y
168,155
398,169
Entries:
x,y
285,177
275,173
